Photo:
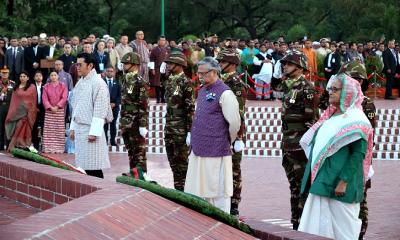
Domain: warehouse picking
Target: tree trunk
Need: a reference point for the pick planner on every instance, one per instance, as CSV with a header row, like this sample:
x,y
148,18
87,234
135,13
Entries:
x,y
10,8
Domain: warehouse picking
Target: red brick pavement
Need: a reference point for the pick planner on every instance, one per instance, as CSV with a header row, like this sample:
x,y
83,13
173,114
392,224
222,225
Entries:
x,y
266,191
11,211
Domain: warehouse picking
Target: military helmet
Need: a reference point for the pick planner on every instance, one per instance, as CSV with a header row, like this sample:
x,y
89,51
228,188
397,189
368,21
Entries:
x,y
176,57
229,55
354,69
131,57
297,58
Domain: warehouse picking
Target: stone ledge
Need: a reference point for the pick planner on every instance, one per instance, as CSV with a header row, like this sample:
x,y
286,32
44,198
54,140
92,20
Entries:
x,y
268,231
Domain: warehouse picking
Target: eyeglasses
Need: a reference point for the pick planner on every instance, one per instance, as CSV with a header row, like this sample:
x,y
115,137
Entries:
x,y
333,89
79,64
203,73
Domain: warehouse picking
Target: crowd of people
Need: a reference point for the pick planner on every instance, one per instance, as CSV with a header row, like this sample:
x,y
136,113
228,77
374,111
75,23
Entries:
x,y
52,82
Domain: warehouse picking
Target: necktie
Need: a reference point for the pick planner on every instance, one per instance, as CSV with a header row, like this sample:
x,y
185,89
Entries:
x,y
15,53
109,85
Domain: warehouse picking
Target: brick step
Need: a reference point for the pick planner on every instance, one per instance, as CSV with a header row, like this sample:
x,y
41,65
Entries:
x,y
388,111
262,152
153,120
264,144
264,109
162,108
264,129
388,124
264,136
387,147
262,115
388,117
150,149
263,122
387,131
259,152
384,155
384,139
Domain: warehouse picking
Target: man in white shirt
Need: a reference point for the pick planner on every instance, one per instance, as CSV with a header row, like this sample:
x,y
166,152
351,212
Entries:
x,y
263,70
90,111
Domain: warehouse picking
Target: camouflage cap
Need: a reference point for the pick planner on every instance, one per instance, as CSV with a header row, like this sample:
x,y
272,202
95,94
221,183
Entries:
x,y
131,57
297,58
177,58
354,69
229,55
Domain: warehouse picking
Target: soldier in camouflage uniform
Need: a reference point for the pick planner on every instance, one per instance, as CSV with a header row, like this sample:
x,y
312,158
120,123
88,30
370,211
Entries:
x,y
229,60
6,90
179,96
357,71
299,113
134,113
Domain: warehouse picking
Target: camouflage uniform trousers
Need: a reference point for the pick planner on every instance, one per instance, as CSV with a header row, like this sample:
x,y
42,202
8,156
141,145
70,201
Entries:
x,y
294,163
177,153
364,211
237,182
136,146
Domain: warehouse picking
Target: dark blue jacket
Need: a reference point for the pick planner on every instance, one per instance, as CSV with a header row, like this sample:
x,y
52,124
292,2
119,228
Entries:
x,y
115,93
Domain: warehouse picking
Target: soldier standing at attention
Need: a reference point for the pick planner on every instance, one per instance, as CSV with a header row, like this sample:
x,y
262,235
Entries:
x,y
6,90
357,71
179,95
134,113
299,113
228,61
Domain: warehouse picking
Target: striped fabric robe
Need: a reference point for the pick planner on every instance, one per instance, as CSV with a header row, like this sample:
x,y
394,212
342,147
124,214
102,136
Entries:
x,y
91,110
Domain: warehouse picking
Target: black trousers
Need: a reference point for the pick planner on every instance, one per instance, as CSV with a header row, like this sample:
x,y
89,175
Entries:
x,y
36,135
3,116
113,126
95,173
160,92
389,84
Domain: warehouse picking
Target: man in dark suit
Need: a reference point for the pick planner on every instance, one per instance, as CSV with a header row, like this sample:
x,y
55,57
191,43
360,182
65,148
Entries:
x,y
39,123
31,57
67,58
14,60
390,62
332,62
115,100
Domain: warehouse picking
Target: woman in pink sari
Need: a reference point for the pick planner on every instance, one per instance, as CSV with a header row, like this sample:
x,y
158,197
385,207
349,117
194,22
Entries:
x,y
21,114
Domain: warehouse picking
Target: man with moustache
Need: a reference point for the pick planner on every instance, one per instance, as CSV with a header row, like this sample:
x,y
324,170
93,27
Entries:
x,y
299,112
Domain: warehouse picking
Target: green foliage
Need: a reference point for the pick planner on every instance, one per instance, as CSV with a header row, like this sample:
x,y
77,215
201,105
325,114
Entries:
x,y
189,37
348,20
296,32
187,200
34,157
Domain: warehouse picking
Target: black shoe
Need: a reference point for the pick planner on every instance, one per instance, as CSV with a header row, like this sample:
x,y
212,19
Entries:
x,y
235,212
390,98
114,144
158,100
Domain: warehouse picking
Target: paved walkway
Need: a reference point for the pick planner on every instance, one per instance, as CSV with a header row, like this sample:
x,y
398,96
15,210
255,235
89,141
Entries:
x,y
11,211
266,190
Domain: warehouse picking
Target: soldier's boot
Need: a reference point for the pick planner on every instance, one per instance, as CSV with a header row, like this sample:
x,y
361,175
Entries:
x,y
234,208
363,216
